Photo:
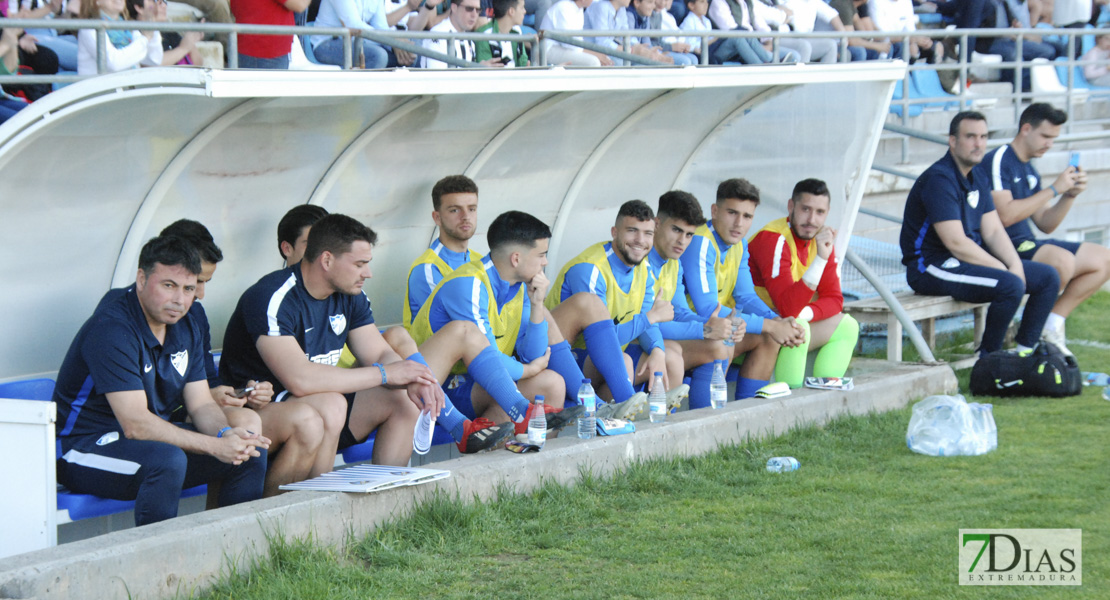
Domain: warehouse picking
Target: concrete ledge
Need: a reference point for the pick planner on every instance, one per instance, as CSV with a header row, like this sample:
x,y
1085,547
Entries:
x,y
185,554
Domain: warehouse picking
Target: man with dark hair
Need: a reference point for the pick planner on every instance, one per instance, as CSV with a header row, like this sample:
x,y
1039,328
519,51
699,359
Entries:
x,y
508,16
698,340
1020,199
719,281
954,244
293,231
795,271
614,275
455,212
502,295
129,380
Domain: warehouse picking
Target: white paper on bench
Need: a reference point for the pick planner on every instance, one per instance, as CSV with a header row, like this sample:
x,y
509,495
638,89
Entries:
x,y
368,478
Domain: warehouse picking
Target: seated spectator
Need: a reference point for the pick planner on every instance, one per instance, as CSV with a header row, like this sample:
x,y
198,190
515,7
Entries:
x,y
508,16
739,14
569,15
1098,73
9,63
898,15
999,14
462,16
954,244
353,14
177,48
125,49
265,51
679,50
64,46
644,17
815,15
611,15
874,48
697,21
131,377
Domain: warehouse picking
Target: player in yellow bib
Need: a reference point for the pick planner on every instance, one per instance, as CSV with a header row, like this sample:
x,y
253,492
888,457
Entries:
x,y
502,295
795,270
606,294
718,281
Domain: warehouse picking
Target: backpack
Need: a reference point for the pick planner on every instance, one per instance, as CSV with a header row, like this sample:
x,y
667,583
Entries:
x,y
1046,371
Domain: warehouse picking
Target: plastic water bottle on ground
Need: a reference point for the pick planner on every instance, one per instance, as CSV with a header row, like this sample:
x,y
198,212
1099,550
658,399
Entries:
x,y
1106,393
587,423
1099,379
537,425
782,464
718,387
657,399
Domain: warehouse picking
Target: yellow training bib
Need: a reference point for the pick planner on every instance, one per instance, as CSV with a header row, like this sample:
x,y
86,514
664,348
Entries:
x,y
725,272
622,305
797,269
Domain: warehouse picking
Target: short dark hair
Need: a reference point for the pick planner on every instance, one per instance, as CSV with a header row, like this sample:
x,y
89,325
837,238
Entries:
x,y
293,223
737,189
197,235
811,186
964,115
335,233
452,184
637,209
501,7
677,204
515,227
1039,112
171,251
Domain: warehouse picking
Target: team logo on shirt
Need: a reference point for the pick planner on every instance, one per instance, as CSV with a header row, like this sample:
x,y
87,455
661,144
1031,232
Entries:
x,y
973,198
338,323
180,361
1032,180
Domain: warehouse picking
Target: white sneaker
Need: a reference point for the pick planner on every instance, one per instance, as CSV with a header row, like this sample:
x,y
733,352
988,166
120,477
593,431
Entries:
x,y
624,410
1056,338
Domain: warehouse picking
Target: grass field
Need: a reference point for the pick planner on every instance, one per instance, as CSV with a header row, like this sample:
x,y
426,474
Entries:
x,y
863,518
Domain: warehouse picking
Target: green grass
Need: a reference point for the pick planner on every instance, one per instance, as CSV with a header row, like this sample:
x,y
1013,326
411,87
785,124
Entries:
x,y
863,518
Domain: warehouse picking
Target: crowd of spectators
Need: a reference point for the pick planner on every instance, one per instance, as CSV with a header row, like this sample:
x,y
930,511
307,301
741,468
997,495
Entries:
x,y
58,50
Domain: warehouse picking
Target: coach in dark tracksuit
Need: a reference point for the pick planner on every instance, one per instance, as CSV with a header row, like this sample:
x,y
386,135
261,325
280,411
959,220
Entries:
x,y
954,244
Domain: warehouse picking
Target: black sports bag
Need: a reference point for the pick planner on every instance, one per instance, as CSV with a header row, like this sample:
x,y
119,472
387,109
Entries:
x,y
1046,371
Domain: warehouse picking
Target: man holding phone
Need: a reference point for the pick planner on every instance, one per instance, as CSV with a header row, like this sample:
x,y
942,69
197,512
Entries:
x,y
462,16
508,16
1020,199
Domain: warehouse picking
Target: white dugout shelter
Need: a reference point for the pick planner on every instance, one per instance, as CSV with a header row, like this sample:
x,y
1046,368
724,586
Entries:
x,y
91,172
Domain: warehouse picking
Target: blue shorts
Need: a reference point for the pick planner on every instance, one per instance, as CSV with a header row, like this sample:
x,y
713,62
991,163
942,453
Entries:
x,y
1028,248
458,389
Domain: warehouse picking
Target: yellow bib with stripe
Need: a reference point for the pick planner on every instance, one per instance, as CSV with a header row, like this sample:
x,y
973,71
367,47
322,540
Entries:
x,y
622,305
797,269
667,282
428,257
504,322
725,272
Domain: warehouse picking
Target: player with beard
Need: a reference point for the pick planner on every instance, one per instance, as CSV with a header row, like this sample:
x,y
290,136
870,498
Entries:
x,y
616,273
795,271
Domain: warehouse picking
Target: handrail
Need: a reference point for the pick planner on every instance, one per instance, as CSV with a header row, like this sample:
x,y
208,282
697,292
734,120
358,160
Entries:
x,y
882,215
892,302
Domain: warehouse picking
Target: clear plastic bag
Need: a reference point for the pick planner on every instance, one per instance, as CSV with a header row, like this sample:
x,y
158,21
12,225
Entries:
x,y
949,426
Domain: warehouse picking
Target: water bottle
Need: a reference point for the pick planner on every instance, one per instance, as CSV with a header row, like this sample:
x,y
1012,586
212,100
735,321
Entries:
x,y
1106,393
657,400
587,423
718,387
732,318
782,464
1099,379
537,425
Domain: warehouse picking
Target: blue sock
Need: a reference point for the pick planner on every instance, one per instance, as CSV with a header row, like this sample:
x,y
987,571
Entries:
x,y
562,362
605,351
416,357
746,388
490,373
699,385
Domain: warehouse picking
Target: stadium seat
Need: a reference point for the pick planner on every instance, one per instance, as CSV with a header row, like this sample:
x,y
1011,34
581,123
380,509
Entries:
x,y
28,389
928,85
981,67
1043,79
896,106
1080,83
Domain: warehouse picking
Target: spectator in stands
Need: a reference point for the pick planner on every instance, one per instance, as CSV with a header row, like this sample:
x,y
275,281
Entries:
x,y
125,49
129,380
816,15
462,16
1020,199
569,15
719,281
177,48
696,20
63,46
508,17
698,340
9,63
874,48
954,244
795,271
1098,73
611,15
751,15
266,51
33,59
355,14
661,18
898,15
999,14
502,295
617,274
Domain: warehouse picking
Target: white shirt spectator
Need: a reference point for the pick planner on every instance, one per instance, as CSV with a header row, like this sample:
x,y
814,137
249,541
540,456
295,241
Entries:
x,y
464,49
667,23
693,22
893,15
808,12
140,51
1068,12
564,15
